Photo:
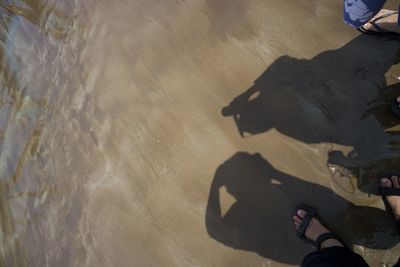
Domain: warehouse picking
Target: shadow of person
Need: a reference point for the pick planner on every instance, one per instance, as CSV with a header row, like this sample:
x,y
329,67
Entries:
x,y
324,100
367,172
259,220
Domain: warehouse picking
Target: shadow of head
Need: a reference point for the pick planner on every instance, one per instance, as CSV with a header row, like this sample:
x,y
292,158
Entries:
x,y
259,219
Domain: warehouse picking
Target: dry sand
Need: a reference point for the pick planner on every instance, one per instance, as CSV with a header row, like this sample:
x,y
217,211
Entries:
x,y
183,133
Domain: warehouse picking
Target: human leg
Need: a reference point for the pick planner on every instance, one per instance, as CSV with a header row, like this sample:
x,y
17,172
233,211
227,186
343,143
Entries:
x,y
334,257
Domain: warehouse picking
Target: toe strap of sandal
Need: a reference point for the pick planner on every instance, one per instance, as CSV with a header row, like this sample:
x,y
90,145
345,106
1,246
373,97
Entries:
x,y
306,221
389,191
324,237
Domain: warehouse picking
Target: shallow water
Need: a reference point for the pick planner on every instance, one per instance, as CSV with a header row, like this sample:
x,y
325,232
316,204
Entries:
x,y
167,133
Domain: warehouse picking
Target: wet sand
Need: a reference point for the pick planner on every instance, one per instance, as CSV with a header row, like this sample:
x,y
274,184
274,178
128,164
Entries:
x,y
183,133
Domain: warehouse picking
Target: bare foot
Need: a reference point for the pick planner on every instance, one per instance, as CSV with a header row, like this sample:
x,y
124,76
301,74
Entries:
x,y
387,24
314,230
394,201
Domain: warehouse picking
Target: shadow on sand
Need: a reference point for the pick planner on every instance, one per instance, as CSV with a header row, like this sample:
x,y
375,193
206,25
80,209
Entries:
x,y
259,220
338,97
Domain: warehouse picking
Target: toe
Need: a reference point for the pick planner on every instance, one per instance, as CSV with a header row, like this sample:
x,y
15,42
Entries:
x,y
368,26
301,213
395,181
297,219
296,224
385,182
398,99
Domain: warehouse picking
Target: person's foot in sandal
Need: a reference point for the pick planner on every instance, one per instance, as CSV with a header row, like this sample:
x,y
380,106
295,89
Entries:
x,y
311,230
390,190
385,21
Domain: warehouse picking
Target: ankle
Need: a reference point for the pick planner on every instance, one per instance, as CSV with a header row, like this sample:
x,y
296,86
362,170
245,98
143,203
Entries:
x,y
396,213
331,243
395,207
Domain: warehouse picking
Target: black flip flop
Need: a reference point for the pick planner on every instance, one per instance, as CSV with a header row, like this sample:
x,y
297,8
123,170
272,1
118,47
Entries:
x,y
379,31
395,107
301,232
389,191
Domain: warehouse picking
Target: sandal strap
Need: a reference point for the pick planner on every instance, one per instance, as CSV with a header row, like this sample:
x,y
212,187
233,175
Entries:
x,y
374,22
324,237
384,16
377,27
301,232
389,191
379,30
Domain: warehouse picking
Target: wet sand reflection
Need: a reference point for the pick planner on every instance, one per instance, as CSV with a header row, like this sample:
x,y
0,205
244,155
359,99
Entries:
x,y
28,29
44,15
